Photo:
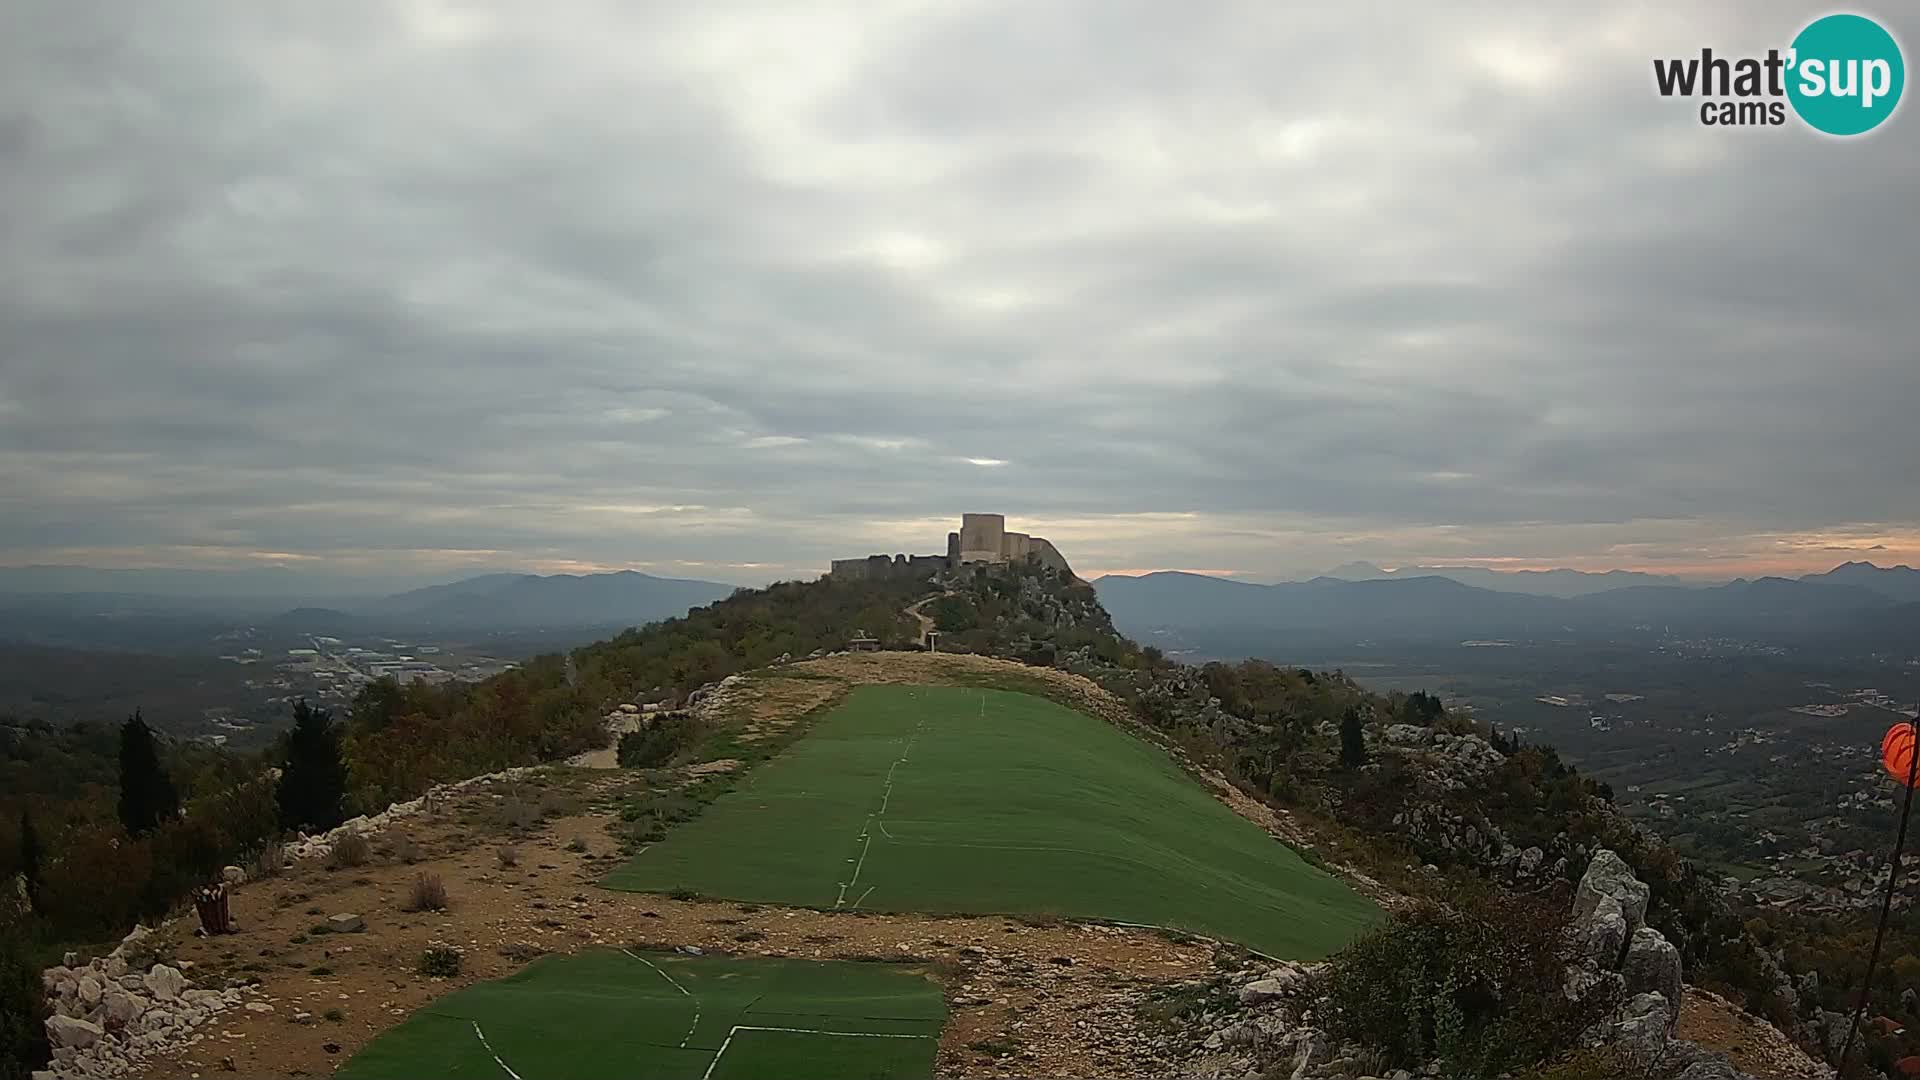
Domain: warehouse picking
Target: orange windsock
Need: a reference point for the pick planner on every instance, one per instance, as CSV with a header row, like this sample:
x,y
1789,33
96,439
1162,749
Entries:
x,y
1896,751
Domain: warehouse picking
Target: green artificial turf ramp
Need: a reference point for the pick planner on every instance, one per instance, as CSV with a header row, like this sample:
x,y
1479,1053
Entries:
x,y
951,799
665,1016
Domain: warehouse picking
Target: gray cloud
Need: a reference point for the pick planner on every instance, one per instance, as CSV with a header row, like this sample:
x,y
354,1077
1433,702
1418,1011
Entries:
x,y
731,290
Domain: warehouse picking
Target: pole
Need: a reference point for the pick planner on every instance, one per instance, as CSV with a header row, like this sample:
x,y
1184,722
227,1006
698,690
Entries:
x,y
1886,904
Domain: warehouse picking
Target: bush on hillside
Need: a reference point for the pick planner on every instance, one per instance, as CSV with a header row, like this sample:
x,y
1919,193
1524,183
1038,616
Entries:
x,y
23,1008
655,745
1475,983
440,960
350,850
428,893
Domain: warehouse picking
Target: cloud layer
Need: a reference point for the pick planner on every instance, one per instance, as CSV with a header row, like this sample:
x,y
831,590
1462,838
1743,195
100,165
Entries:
x,y
731,289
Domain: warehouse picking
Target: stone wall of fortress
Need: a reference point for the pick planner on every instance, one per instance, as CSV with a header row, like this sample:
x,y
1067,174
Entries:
x,y
982,538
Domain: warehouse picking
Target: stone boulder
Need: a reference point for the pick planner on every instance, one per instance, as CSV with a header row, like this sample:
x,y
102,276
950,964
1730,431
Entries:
x,y
1711,1070
121,1009
1608,875
1638,1029
67,1031
1652,965
1604,935
164,982
346,923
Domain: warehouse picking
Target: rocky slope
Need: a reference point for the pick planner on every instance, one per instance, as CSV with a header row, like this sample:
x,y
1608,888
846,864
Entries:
x,y
1262,1020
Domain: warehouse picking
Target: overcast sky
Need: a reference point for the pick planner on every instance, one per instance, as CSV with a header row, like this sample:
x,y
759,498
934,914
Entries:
x,y
726,290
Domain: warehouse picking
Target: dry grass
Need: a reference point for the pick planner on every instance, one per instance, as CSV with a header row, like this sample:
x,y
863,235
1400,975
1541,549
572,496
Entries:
x,y
350,850
508,855
428,893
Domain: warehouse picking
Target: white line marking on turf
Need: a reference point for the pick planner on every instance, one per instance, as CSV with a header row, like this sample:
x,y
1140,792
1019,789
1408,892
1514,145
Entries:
x,y
676,986
489,1046
863,896
738,1028
866,828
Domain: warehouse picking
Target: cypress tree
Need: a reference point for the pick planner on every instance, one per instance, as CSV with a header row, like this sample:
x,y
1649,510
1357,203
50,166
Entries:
x,y
313,782
147,796
1353,742
30,855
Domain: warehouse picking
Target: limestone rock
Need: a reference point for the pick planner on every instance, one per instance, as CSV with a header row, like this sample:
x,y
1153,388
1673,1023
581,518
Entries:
x,y
164,982
346,923
1638,1030
1605,937
1712,1070
66,1031
1609,875
122,1009
1653,966
89,991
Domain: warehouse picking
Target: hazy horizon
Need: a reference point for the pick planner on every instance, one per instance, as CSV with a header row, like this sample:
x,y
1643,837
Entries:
x,y
726,295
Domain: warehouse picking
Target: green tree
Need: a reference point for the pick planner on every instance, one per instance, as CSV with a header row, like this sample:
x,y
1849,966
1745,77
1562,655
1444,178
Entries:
x,y
1353,743
23,1007
30,855
147,795
313,782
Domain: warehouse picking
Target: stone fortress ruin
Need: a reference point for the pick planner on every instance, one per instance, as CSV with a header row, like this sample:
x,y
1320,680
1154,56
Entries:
x,y
982,539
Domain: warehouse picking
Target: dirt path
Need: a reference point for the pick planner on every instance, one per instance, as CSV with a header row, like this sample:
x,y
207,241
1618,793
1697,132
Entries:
x,y
926,620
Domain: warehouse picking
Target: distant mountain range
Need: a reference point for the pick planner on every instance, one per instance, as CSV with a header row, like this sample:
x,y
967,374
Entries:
x,y
1562,583
1898,582
626,597
1895,582
1440,607
322,605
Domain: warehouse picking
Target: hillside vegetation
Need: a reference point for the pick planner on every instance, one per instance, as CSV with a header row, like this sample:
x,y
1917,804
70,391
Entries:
x,y
1391,785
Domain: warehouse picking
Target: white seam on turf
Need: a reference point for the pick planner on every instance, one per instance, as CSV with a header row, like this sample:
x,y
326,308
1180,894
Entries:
x,y
863,897
508,1069
738,1028
691,1028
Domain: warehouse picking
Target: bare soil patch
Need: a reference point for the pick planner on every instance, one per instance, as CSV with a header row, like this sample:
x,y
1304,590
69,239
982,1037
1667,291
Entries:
x,y
1026,999
1753,1045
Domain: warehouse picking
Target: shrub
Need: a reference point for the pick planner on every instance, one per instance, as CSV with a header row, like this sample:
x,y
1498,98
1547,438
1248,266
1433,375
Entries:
x,y
350,850
406,850
554,804
1475,983
656,744
440,960
508,855
23,1008
428,893
576,845
93,889
334,1016
521,951
515,814
271,860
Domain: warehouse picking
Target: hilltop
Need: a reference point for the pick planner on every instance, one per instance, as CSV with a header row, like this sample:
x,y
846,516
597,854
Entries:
x,y
1400,798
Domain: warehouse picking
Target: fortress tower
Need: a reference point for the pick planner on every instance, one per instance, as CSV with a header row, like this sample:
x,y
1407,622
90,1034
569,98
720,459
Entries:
x,y
983,538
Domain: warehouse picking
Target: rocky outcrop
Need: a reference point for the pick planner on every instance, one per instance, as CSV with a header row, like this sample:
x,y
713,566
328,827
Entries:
x,y
1261,1020
109,1017
1652,966
1609,876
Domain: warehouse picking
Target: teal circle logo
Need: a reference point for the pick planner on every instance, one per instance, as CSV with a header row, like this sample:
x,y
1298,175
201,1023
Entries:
x,y
1847,74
